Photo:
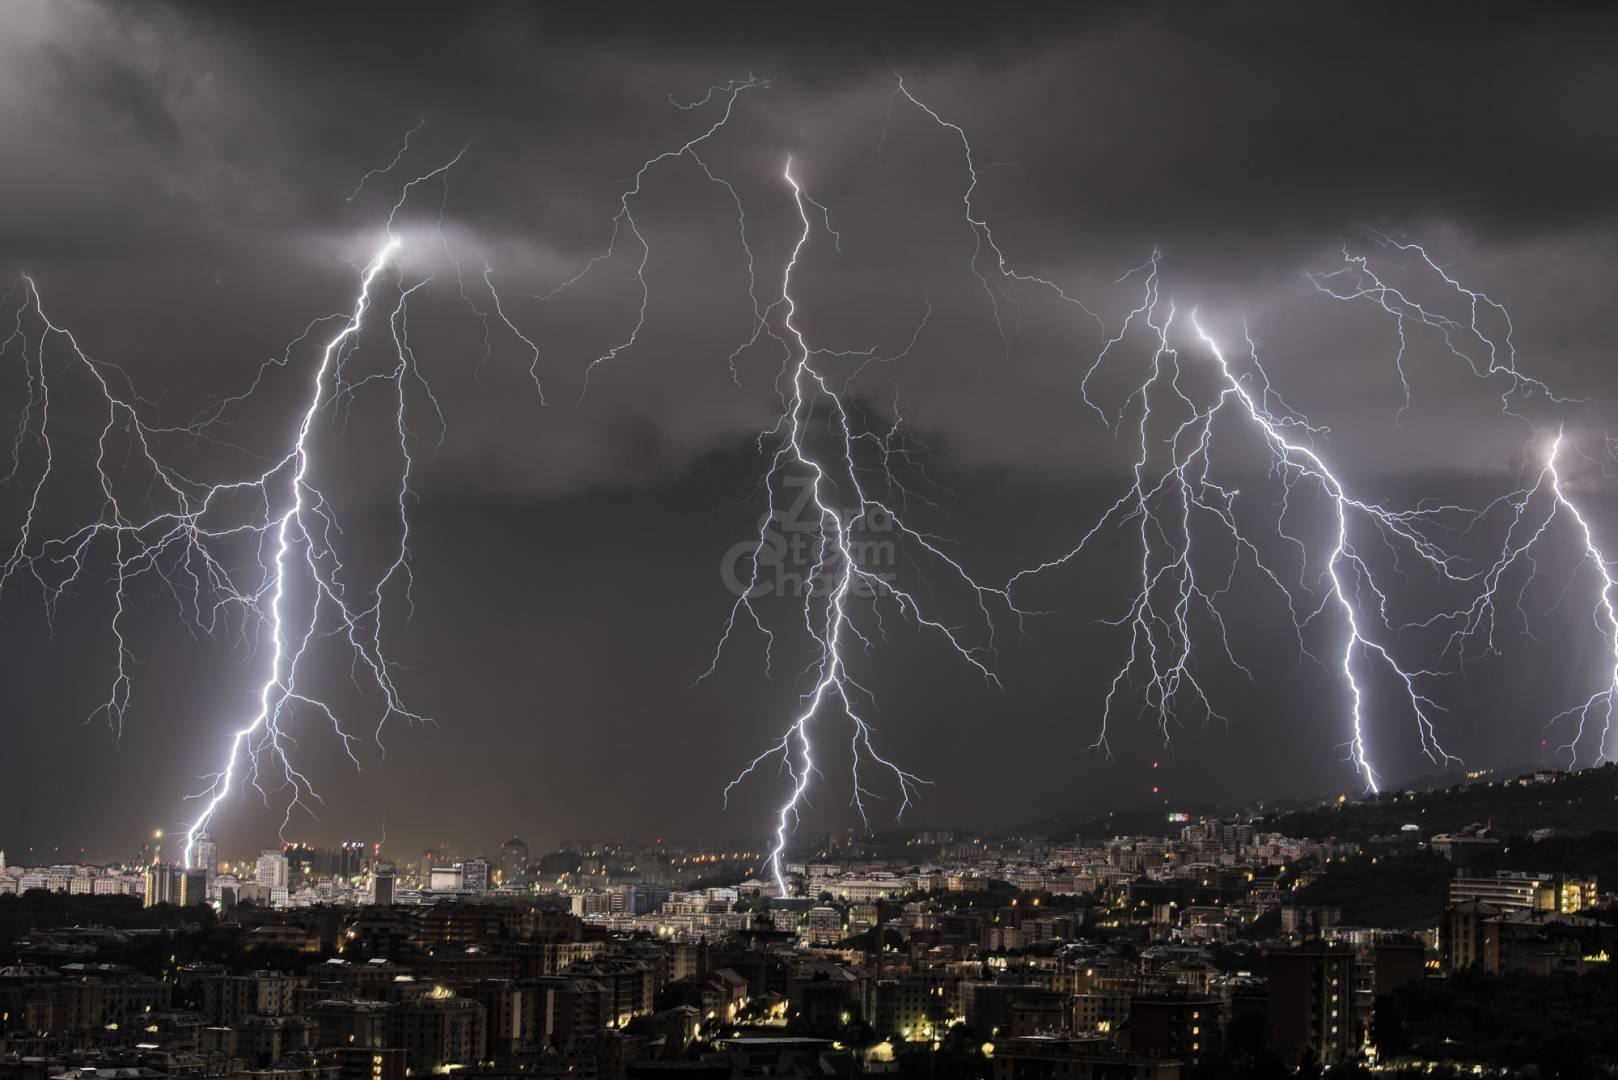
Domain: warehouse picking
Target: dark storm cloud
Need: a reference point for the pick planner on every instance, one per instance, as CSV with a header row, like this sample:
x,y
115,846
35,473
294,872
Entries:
x,y
1210,117
206,143
1223,117
176,176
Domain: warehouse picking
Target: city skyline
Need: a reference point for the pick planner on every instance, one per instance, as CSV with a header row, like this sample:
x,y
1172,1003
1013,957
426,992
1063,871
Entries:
x,y
144,845
573,563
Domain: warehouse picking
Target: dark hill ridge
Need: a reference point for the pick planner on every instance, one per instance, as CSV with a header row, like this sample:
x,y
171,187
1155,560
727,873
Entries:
x,y
1570,804
1573,804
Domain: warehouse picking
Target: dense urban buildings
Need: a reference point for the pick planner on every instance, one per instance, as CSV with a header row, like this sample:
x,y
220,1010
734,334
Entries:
x,y
1210,946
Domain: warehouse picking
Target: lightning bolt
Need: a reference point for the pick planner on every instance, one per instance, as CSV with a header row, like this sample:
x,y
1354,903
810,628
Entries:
x,y
1483,339
1482,336
624,221
304,527
302,534
1175,495
844,578
1603,616
190,535
986,249
1168,500
1526,530
839,575
1345,565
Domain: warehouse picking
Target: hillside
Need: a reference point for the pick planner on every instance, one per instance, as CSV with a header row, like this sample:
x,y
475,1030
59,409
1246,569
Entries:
x,y
1572,804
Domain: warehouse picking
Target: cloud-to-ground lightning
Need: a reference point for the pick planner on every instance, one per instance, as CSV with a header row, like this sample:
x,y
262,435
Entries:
x,y
1477,329
1169,500
841,504
820,441
260,553
301,532
1193,541
1346,567
1603,615
1532,515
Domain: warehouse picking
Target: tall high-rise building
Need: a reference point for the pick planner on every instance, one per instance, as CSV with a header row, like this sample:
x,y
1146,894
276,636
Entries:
x,y
205,855
272,872
514,862
475,876
382,880
1311,1011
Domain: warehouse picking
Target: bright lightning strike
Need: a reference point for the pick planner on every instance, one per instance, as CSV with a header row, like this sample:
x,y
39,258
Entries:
x,y
1481,333
1175,504
844,509
1169,501
1527,529
1604,616
1345,566
262,550
300,532
834,471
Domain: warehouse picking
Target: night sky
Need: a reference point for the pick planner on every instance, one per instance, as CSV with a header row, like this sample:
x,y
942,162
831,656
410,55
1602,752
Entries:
x,y
176,179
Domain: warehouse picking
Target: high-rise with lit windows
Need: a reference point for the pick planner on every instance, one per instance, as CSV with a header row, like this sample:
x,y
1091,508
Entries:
x,y
1311,1010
